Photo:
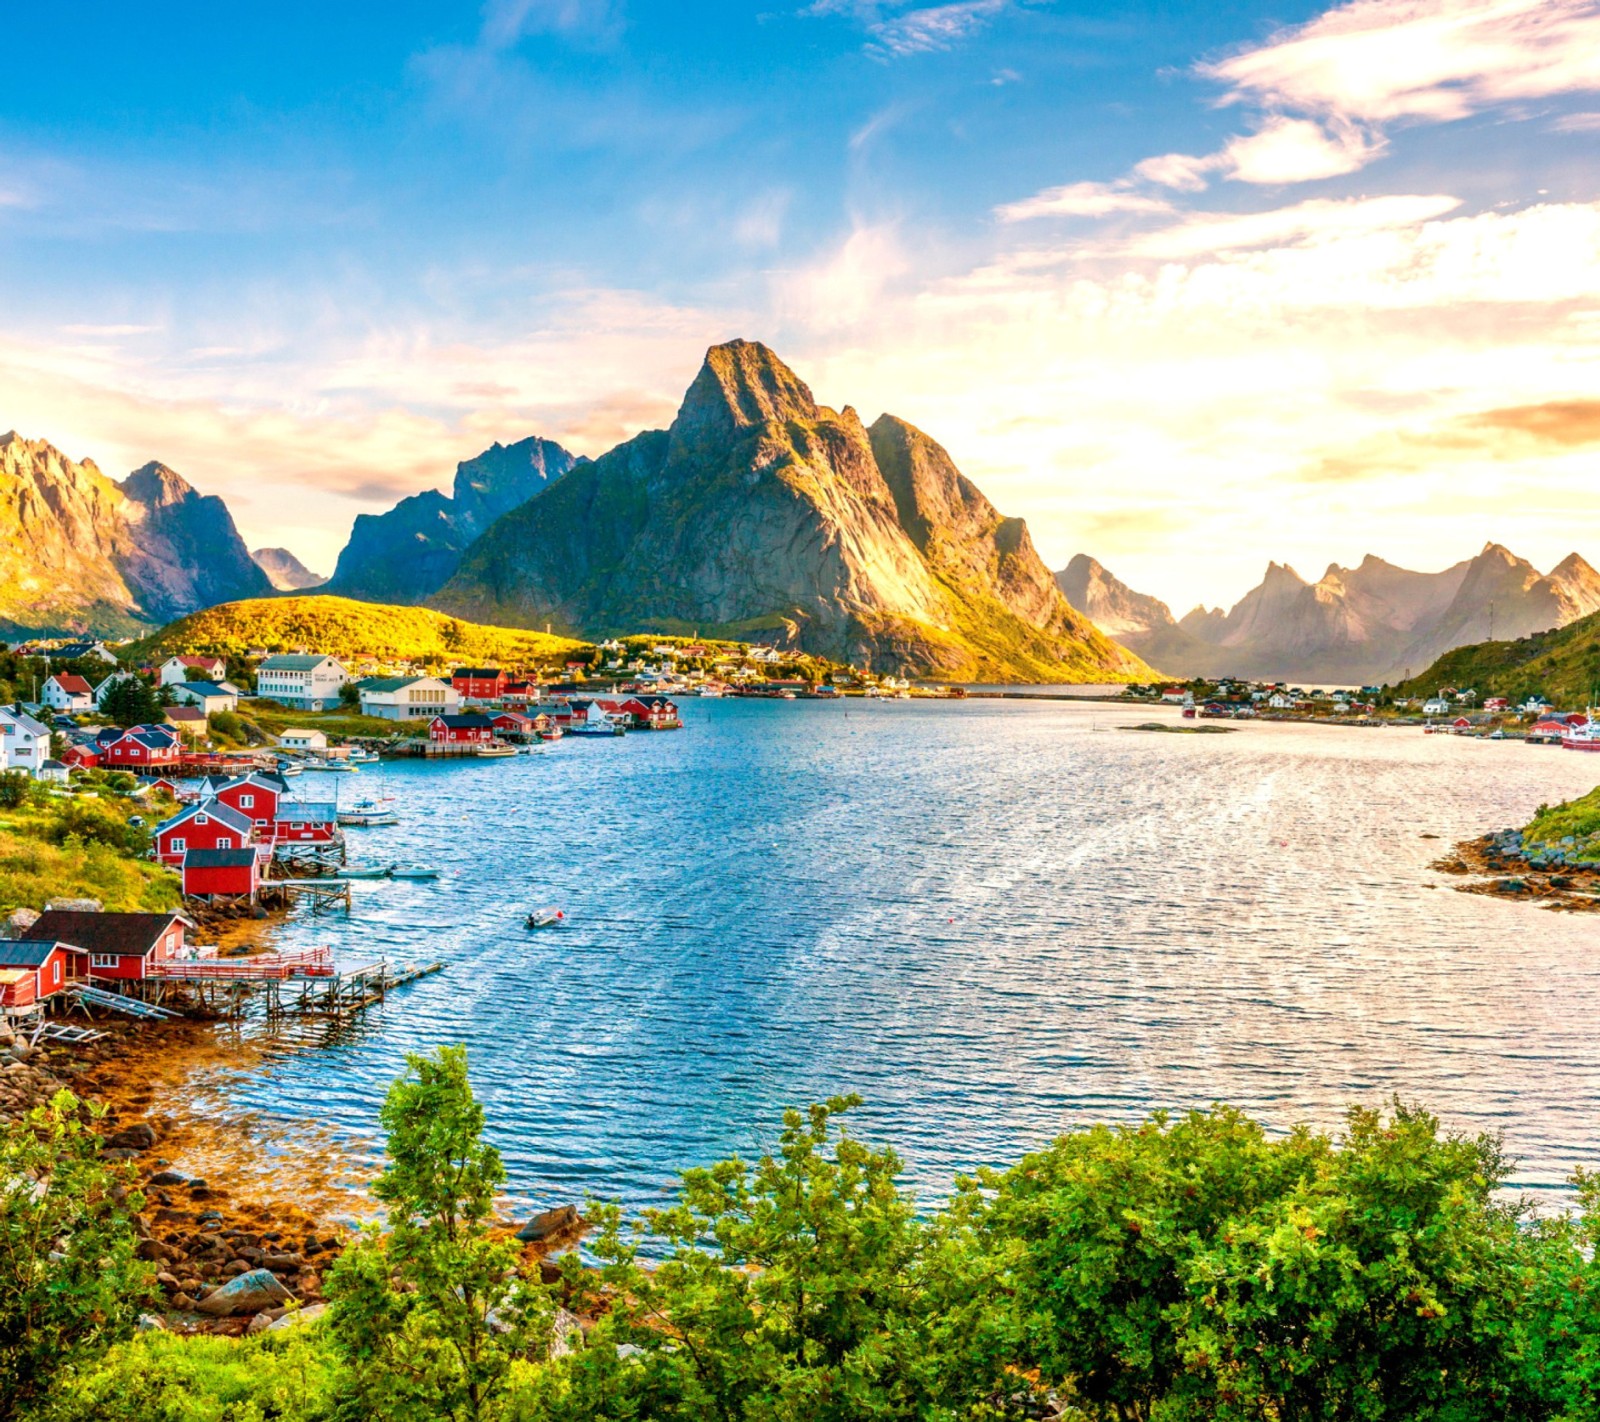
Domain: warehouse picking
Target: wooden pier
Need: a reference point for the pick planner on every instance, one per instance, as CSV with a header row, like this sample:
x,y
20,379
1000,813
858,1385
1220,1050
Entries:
x,y
306,982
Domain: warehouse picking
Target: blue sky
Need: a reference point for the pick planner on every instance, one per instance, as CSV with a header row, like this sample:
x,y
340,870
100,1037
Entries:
x,y
1187,286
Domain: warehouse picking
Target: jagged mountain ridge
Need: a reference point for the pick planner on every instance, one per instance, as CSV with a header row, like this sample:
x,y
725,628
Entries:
x,y
407,554
285,572
1371,623
83,553
762,512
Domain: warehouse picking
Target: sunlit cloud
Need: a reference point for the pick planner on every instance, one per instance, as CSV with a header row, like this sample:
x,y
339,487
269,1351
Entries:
x,y
1081,200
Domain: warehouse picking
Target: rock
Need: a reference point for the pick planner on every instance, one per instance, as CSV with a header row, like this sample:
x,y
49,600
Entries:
x,y
119,1153
261,1323
167,1177
139,1136
149,1323
296,1317
19,921
551,1222
74,905
310,1283
235,1267
167,1281
251,1292
566,1334
282,1263
197,1184
152,1251
549,1271
183,1301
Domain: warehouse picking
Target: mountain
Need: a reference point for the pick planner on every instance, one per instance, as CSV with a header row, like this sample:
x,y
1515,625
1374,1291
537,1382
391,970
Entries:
x,y
346,628
1560,664
1364,624
284,571
82,553
1113,607
761,512
409,553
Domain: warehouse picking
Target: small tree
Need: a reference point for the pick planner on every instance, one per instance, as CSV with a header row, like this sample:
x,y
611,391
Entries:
x,y
70,1285
350,696
430,1316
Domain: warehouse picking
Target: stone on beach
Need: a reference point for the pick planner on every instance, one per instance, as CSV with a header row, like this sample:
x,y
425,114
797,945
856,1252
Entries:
x,y
251,1292
139,1136
551,1222
297,1317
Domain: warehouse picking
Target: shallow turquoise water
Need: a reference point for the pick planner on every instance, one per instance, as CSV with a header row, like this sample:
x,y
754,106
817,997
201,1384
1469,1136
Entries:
x,y
993,920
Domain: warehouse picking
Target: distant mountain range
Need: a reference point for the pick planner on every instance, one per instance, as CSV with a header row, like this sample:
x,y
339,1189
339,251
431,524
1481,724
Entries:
x,y
80,552
760,513
1372,623
286,572
409,553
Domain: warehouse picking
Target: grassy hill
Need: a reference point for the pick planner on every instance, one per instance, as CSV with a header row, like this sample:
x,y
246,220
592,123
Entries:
x,y
345,628
1562,664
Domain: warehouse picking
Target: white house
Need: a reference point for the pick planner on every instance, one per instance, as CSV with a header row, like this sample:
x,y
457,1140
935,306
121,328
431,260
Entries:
x,y
176,669
403,698
66,692
206,695
303,740
1437,706
111,682
306,681
24,742
1281,701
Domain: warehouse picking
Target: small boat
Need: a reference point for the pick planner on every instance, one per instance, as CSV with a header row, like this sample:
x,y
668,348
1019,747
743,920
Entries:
x,y
492,752
544,918
286,768
382,873
342,767
369,812
413,871
553,733
364,757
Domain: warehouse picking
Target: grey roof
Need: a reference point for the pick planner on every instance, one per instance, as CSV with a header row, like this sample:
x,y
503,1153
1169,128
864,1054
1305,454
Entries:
x,y
203,688
294,661
306,811
390,683
217,810
218,858
26,952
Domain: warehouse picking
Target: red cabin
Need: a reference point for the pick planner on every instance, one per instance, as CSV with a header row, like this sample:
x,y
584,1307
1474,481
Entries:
x,y
142,749
119,945
298,822
32,969
479,683
512,723
221,873
461,730
80,757
650,713
209,825
255,796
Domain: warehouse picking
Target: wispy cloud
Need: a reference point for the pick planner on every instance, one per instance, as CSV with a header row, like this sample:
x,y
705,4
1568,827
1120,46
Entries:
x,y
507,21
1082,200
936,27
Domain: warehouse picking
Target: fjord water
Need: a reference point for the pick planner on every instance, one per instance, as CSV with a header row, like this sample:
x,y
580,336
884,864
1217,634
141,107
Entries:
x,y
993,920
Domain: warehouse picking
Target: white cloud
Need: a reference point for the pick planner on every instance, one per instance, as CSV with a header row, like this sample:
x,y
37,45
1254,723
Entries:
x,y
507,21
934,28
1577,123
1182,171
1286,150
1379,60
1317,220
1081,200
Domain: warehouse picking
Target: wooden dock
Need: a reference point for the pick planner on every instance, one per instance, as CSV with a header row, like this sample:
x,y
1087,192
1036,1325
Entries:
x,y
306,982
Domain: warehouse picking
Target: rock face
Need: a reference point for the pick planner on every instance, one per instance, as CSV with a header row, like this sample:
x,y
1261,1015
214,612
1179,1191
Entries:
x,y
1113,607
1371,623
409,553
284,571
81,553
761,513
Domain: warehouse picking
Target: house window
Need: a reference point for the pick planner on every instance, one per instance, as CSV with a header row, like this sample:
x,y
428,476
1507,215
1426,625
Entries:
x,y
201,819
246,801
103,960
55,971
224,841
179,845
172,942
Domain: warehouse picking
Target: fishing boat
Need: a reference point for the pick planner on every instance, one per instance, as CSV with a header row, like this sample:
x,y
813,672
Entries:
x,y
341,767
551,733
593,728
544,918
364,757
287,768
494,751
1585,736
413,871
383,872
370,812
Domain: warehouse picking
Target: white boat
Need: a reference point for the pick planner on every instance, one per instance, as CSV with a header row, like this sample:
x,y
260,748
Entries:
x,y
1584,736
544,918
370,812
493,752
413,871
364,757
287,768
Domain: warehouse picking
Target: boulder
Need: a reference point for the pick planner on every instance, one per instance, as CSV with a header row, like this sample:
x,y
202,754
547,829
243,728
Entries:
x,y
118,1153
74,905
251,1292
168,1177
542,1226
566,1334
295,1317
140,1135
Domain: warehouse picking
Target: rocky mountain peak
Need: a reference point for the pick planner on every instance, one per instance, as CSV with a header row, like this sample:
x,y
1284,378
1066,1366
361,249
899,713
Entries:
x,y
156,486
741,384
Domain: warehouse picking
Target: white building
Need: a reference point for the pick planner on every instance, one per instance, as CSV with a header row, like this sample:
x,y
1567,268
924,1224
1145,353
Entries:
x,y
1438,706
111,682
207,695
404,698
65,692
176,669
305,681
303,740
24,742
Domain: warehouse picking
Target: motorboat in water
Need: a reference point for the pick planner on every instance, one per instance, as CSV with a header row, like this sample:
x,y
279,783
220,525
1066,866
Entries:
x,y
413,871
544,918
370,812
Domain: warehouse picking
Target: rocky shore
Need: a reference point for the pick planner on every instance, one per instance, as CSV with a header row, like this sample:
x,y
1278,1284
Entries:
x,y
1507,865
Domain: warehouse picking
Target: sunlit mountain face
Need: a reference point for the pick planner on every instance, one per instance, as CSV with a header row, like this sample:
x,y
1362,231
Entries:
x,y
1192,287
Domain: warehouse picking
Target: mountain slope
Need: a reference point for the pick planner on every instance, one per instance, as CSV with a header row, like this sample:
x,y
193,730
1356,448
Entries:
x,y
409,553
284,571
760,511
1562,664
343,627
80,553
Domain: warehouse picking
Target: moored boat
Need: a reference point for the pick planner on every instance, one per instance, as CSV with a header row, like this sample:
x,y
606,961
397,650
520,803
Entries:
x,y
413,871
381,873
1584,736
370,812
544,918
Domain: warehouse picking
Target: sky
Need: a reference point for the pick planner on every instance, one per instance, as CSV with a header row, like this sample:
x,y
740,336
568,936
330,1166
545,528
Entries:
x,y
1190,287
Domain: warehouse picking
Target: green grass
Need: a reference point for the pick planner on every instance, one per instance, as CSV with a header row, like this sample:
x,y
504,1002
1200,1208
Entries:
x,y
59,848
1562,664
275,720
1579,818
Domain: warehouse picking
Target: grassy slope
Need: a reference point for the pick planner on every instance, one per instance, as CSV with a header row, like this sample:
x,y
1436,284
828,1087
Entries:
x,y
345,628
41,860
1579,818
1563,664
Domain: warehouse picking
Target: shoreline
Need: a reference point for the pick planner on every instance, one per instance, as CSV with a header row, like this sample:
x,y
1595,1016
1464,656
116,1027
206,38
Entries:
x,y
1494,872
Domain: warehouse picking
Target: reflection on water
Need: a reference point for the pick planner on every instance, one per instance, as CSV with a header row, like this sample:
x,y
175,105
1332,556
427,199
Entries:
x,y
992,919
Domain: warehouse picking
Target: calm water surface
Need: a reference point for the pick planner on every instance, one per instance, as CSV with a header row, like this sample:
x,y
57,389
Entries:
x,y
993,920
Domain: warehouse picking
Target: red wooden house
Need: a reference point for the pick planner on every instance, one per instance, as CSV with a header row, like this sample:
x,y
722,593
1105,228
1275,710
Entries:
x,y
256,796
119,945
301,822
142,749
221,873
513,724
479,683
32,969
208,825
80,757
650,713
472,729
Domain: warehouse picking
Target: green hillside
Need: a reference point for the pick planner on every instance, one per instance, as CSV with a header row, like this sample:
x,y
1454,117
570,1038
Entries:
x,y
1562,664
344,628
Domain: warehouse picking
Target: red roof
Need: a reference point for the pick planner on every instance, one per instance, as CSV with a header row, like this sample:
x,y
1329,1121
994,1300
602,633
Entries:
x,y
73,685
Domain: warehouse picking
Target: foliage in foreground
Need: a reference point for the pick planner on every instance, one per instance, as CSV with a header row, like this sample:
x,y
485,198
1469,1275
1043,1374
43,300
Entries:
x,y
1579,818
1180,1269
